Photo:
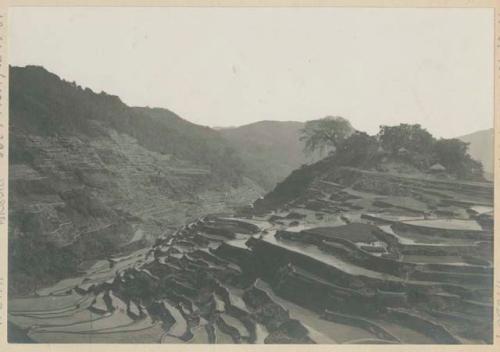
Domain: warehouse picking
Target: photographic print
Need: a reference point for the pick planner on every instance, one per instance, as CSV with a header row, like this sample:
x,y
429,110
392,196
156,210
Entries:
x,y
250,175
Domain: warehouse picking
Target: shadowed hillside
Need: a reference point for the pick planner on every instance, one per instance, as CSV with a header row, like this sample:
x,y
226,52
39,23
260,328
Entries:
x,y
90,176
405,149
271,149
368,246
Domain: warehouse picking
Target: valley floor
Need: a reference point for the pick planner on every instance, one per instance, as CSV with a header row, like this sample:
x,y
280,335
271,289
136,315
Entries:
x,y
340,264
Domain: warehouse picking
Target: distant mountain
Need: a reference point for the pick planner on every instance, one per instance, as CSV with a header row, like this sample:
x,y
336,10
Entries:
x,y
270,149
90,176
481,147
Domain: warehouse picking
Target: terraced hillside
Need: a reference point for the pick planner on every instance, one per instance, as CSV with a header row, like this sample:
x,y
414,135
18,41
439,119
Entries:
x,y
355,257
90,176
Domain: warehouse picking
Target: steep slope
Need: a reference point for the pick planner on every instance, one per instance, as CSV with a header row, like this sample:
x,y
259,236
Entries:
x,y
357,256
481,147
271,149
416,232
369,245
90,176
364,164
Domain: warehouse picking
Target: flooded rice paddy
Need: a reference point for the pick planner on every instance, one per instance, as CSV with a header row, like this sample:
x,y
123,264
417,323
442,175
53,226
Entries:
x,y
273,278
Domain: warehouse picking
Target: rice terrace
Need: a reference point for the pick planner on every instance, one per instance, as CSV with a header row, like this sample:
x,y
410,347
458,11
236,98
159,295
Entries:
x,y
326,177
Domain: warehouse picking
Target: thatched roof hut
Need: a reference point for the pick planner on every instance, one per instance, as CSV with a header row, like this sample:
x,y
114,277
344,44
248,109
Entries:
x,y
437,168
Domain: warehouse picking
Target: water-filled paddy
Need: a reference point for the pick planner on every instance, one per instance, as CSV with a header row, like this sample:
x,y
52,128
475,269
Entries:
x,y
481,209
316,253
447,224
45,304
65,318
324,331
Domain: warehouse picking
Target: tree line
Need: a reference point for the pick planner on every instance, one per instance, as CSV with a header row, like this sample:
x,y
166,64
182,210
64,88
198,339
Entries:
x,y
410,144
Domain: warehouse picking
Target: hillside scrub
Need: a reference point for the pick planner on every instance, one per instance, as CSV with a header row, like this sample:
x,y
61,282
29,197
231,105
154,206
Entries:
x,y
325,134
408,149
406,144
45,105
87,172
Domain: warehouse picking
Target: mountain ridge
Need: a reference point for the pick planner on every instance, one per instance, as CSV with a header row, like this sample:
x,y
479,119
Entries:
x,y
481,148
90,176
269,145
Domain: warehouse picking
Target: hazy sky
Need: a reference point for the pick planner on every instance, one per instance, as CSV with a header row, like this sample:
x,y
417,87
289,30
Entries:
x,y
233,66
